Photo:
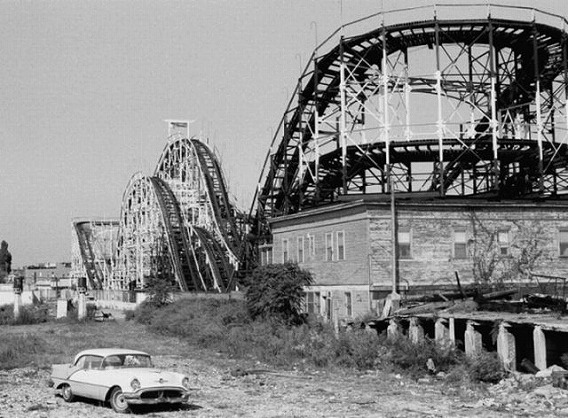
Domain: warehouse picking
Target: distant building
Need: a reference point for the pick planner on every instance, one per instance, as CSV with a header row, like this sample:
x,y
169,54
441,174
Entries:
x,y
48,275
348,247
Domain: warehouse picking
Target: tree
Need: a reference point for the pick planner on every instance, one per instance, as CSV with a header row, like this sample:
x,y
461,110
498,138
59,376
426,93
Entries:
x,y
277,291
5,260
493,266
160,285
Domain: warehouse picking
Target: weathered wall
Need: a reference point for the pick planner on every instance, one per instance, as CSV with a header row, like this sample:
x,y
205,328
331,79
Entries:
x,y
333,302
432,229
353,222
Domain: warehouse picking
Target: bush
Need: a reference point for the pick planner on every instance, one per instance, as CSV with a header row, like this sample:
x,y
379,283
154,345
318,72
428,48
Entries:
x,y
159,289
485,367
276,291
413,358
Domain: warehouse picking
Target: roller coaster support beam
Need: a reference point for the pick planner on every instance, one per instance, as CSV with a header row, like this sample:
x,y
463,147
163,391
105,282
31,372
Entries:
x,y
316,120
342,132
440,127
385,82
494,123
538,109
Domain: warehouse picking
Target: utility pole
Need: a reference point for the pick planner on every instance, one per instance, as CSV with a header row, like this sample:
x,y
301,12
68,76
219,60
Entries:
x,y
394,249
392,301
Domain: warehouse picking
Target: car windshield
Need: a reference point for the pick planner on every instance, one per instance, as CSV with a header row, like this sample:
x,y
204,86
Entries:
x,y
123,361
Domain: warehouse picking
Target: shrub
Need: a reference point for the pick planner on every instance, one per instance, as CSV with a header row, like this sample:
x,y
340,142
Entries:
x,y
359,349
413,358
159,289
485,367
276,291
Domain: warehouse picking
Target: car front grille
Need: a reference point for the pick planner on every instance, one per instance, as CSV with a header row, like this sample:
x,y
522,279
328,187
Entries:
x,y
155,394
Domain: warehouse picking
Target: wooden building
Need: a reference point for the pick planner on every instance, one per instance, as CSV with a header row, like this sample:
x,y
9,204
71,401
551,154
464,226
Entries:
x,y
348,247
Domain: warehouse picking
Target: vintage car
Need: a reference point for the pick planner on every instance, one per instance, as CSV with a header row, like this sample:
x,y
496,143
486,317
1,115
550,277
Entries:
x,y
121,377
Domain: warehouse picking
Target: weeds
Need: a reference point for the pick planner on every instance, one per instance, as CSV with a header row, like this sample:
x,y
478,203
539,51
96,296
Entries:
x,y
226,326
29,314
413,357
17,350
485,367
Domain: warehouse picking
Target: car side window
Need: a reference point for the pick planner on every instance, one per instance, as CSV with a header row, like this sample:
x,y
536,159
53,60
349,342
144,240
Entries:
x,y
81,362
112,362
89,362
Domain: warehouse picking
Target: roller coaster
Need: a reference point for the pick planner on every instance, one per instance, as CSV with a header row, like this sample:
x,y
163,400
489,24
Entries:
x,y
438,101
93,249
177,225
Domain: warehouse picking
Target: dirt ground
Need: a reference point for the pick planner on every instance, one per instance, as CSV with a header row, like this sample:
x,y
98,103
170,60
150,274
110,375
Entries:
x,y
225,387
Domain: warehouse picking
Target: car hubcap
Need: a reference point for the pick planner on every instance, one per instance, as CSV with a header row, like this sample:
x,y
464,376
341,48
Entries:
x,y
119,401
66,392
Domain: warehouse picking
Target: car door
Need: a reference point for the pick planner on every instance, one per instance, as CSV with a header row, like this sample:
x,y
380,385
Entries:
x,y
88,381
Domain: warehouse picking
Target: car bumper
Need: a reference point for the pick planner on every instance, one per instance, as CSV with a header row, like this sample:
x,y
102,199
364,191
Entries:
x,y
153,396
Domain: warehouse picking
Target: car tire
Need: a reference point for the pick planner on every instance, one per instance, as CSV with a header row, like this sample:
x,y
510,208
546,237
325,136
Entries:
x,y
117,401
67,393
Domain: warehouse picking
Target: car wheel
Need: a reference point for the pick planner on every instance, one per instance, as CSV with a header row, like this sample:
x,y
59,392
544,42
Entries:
x,y
67,393
118,402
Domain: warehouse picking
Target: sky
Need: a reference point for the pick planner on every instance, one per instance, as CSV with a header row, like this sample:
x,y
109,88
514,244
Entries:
x,y
85,87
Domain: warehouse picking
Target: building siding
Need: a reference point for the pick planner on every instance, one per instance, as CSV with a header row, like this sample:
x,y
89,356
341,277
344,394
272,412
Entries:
x,y
432,226
432,239
353,270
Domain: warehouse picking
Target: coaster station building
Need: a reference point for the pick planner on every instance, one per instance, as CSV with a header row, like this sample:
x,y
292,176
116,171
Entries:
x,y
420,144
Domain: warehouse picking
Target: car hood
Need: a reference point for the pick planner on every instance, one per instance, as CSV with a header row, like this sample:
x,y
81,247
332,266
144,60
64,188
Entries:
x,y
149,377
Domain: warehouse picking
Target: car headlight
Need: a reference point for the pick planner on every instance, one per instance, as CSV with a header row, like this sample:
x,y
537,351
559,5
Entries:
x,y
185,382
135,384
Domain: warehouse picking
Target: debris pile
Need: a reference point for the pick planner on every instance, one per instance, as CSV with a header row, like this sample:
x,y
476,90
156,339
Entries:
x,y
477,299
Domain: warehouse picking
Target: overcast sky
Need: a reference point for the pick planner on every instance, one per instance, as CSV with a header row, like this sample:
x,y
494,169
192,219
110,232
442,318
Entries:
x,y
85,87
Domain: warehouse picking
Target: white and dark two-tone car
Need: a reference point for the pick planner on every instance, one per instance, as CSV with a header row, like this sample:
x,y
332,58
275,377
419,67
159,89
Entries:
x,y
121,377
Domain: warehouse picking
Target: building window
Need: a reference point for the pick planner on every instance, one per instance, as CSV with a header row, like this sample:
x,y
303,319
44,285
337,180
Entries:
x,y
313,303
404,245
311,245
563,240
348,304
460,244
329,247
503,237
340,238
300,249
266,255
285,250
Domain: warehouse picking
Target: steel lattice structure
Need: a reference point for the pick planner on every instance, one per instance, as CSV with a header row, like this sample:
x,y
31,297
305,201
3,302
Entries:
x,y
425,102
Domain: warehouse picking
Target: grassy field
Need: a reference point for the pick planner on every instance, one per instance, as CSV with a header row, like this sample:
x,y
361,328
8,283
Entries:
x,y
225,327
41,345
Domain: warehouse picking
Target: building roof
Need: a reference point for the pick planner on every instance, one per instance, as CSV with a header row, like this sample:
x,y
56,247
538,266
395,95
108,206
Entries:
x,y
355,204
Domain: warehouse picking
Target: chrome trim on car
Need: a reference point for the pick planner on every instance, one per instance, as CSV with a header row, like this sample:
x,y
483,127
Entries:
x,y
137,397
